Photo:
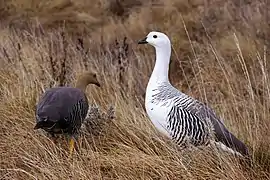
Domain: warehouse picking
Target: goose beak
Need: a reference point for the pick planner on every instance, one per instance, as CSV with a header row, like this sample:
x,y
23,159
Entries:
x,y
143,41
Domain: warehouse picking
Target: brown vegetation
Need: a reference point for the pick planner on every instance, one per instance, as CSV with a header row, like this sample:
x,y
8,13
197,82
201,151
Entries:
x,y
220,56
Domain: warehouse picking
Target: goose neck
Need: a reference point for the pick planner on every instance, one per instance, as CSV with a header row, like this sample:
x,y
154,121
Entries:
x,y
161,69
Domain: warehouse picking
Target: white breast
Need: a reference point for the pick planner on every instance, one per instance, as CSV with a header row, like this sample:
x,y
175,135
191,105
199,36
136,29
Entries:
x,y
157,112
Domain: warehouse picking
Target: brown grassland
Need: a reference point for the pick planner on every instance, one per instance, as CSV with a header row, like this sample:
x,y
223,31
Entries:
x,y
220,56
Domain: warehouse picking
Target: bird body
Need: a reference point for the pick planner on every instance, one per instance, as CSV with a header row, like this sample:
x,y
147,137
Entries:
x,y
62,110
170,111
180,117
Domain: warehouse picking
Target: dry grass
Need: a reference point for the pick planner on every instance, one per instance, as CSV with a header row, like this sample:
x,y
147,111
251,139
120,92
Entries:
x,y
220,56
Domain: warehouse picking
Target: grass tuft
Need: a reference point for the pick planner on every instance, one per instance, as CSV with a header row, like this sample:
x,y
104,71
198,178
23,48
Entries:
x,y
220,56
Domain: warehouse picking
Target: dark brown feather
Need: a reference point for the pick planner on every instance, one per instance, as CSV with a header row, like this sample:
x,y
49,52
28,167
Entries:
x,y
59,107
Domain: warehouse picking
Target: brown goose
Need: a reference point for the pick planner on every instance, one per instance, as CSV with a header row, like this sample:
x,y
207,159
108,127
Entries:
x,y
62,110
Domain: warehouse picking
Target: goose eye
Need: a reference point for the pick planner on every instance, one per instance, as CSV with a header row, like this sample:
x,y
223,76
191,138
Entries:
x,y
155,36
95,75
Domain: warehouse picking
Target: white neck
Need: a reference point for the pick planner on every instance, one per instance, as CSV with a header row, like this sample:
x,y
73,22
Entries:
x,y
161,69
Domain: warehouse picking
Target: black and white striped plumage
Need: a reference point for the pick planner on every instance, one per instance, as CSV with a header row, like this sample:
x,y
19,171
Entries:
x,y
61,110
177,115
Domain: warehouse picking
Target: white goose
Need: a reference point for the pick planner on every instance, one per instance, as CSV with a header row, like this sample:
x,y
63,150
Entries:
x,y
177,115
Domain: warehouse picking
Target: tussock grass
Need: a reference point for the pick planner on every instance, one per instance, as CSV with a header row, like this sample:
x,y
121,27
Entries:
x,y
220,56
